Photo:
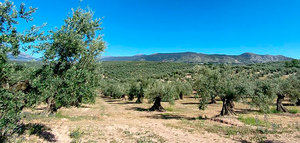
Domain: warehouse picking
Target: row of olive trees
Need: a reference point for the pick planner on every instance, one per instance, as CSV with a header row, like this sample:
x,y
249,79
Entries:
x,y
228,83
154,90
69,75
231,87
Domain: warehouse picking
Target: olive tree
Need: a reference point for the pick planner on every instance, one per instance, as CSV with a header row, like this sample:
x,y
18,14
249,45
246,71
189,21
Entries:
x,y
134,90
207,85
70,74
12,98
289,87
114,89
229,87
182,89
137,89
262,94
160,91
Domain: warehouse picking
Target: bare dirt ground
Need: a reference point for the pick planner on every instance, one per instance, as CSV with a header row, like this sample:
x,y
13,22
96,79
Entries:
x,y
119,121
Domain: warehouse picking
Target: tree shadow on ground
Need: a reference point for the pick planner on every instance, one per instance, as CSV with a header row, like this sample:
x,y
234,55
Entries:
x,y
171,116
41,108
39,130
288,104
85,106
112,101
190,103
271,141
265,141
245,111
193,97
137,109
128,102
107,97
243,141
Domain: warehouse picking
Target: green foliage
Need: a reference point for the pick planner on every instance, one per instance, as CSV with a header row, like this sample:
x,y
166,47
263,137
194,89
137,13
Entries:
x,y
293,63
127,70
207,85
182,89
114,89
12,100
224,83
163,90
293,111
76,135
263,94
293,90
135,90
70,74
253,121
11,107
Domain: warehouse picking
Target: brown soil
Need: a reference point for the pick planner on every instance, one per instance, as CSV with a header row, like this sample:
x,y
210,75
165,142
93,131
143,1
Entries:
x,y
110,120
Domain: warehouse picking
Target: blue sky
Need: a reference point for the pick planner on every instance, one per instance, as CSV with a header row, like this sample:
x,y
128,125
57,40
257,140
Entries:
x,y
212,26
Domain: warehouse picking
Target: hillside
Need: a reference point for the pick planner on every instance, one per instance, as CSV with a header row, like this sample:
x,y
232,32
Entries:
x,y
22,57
192,57
133,69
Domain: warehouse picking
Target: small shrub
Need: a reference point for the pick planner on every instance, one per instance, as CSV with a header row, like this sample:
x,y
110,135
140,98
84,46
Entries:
x,y
293,111
170,109
253,121
76,135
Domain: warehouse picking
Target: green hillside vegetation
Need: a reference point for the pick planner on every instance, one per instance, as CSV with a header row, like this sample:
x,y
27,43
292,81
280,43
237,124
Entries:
x,y
190,57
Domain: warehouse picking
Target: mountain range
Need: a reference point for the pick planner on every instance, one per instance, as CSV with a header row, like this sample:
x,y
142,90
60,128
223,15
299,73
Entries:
x,y
192,57
22,57
189,57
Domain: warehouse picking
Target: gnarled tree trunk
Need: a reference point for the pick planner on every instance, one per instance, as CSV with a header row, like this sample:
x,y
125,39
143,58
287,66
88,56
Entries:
x,y
181,95
140,98
227,108
279,105
131,97
157,105
51,108
213,100
298,102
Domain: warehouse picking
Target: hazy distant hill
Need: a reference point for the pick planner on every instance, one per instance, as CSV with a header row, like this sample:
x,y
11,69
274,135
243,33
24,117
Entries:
x,y
22,57
201,58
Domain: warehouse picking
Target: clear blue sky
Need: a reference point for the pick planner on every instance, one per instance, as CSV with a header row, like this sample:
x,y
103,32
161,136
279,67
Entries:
x,y
211,26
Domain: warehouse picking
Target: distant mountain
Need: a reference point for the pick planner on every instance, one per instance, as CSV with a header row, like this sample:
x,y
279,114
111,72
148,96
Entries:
x,y
192,57
22,57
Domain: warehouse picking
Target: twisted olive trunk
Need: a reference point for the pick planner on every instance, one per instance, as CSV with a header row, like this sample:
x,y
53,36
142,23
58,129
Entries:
x,y
227,108
298,102
213,100
140,99
279,106
157,105
51,108
181,95
131,97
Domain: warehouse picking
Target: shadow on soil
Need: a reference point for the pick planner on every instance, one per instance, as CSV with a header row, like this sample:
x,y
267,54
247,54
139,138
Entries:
x,y
171,116
39,130
190,103
112,101
137,109
266,141
128,102
288,104
245,111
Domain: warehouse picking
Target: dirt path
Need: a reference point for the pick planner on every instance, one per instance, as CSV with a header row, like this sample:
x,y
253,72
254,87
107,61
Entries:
x,y
119,121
